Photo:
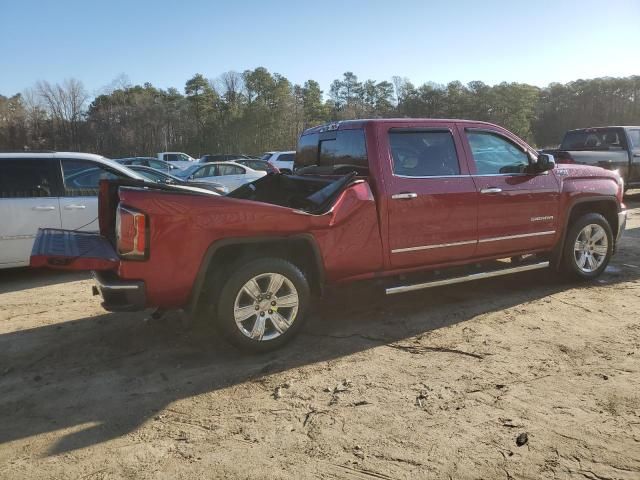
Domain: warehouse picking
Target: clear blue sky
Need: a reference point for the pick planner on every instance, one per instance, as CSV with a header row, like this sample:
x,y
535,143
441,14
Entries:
x,y
166,42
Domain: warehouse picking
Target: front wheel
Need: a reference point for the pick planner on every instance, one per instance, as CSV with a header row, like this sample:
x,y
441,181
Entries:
x,y
262,304
588,247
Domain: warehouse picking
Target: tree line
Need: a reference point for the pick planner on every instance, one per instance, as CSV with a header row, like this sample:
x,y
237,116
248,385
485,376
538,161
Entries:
x,y
256,110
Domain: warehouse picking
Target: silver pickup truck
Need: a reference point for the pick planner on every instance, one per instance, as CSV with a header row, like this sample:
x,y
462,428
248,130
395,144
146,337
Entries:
x,y
613,148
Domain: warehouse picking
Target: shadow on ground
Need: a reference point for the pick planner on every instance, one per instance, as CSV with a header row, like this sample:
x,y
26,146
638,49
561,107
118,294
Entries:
x,y
104,376
14,279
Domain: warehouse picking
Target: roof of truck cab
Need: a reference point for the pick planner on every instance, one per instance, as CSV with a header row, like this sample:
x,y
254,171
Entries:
x,y
359,123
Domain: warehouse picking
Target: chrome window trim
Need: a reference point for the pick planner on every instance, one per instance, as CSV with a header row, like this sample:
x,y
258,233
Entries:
x,y
469,242
434,176
475,175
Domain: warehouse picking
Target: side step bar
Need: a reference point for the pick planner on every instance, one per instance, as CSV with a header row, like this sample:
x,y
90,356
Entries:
x,y
466,278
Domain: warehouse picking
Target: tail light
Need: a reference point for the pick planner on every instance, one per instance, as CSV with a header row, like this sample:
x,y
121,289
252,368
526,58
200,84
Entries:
x,y
132,233
620,194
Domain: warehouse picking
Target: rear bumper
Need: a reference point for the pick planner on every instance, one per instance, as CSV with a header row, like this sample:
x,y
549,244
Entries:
x,y
622,223
119,295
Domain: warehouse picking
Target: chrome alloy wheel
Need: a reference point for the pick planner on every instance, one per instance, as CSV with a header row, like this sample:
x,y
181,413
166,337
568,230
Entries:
x,y
591,248
266,306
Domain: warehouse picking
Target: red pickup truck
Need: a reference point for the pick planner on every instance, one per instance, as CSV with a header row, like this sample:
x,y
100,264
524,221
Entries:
x,y
369,199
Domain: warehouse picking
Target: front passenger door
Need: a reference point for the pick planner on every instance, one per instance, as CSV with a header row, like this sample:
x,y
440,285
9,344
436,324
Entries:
x,y
517,209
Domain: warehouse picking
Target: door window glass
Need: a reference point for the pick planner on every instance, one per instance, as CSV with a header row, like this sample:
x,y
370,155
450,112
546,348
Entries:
x,y
423,153
27,178
495,155
229,170
208,171
82,178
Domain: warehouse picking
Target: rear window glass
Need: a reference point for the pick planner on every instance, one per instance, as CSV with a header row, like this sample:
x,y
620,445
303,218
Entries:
x,y
286,157
593,139
337,152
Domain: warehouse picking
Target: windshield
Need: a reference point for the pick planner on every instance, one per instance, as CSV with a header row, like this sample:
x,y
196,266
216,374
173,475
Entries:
x,y
266,156
187,171
154,175
594,139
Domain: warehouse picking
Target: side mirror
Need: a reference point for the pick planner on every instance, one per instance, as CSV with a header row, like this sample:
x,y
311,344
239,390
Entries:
x,y
544,163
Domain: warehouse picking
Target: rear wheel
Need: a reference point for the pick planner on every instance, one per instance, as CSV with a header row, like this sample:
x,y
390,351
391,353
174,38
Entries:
x,y
262,304
588,247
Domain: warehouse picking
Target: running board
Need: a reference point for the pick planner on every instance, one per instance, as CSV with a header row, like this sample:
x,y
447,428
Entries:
x,y
466,278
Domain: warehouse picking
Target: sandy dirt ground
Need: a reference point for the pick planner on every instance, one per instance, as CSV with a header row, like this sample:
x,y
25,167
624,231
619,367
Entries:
x,y
432,384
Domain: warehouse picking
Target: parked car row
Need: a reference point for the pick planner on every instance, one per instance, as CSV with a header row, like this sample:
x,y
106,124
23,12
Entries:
x,y
59,190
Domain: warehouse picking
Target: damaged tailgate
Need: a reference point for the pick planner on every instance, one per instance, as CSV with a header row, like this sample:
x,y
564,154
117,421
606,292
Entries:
x,y
71,250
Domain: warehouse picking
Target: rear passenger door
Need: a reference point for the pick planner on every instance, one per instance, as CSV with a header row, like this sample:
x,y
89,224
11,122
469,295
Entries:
x,y
232,176
28,201
517,209
79,201
433,200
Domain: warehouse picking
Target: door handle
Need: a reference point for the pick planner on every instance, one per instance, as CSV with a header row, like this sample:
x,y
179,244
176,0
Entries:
x,y
43,208
491,190
75,207
404,196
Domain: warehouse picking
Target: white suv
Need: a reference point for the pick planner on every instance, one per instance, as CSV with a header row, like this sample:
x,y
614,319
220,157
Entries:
x,y
49,190
281,160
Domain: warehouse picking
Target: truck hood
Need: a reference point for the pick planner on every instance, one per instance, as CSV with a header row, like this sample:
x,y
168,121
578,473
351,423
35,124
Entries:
x,y
574,170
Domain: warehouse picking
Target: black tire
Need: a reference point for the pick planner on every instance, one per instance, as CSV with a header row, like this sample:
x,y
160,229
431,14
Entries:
x,y
569,261
231,288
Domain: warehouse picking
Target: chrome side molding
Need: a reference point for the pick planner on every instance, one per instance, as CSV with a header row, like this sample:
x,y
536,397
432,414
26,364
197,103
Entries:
x,y
466,278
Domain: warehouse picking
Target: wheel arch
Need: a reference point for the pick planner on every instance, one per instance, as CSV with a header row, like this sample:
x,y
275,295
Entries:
x,y
302,250
605,206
